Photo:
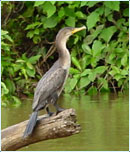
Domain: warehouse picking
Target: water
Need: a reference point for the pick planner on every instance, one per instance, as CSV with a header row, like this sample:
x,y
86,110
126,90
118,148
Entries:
x,y
103,118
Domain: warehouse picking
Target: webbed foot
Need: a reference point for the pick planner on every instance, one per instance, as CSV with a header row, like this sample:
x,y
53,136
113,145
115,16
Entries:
x,y
48,112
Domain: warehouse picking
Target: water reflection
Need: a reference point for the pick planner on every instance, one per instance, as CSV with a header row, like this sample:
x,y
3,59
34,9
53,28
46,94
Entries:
x,y
103,118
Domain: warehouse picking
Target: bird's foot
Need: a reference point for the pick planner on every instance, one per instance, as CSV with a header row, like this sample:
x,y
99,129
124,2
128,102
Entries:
x,y
50,113
59,110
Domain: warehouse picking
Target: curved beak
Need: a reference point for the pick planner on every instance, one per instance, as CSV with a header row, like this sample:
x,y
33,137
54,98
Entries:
x,y
78,29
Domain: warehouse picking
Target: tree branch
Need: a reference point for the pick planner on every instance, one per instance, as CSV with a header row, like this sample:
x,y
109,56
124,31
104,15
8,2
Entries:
x,y
57,126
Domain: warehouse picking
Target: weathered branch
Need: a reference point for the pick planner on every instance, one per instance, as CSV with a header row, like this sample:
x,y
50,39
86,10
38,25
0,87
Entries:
x,y
57,126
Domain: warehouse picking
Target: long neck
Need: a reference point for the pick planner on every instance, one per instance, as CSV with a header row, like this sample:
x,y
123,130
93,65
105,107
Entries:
x,y
64,55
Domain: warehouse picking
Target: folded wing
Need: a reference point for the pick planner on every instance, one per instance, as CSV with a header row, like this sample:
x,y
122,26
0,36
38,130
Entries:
x,y
49,84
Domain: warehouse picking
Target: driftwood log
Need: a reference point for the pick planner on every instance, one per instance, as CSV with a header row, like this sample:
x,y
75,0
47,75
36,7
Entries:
x,y
56,126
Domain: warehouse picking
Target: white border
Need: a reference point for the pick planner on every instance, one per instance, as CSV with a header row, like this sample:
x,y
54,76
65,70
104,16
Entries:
x,y
0,66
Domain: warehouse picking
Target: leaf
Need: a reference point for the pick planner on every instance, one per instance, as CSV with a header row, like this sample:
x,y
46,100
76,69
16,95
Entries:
x,y
74,71
21,82
83,3
107,33
74,5
73,83
93,61
33,25
4,89
92,90
5,46
24,57
76,62
61,12
104,83
111,57
36,31
85,72
29,65
38,3
126,12
34,59
79,14
11,71
112,72
20,61
70,21
77,76
31,72
76,39
107,11
8,38
17,67
85,61
50,22
49,8
30,34
4,32
24,72
110,18
119,50
67,87
124,72
10,85
36,39
91,4
100,10
120,83
89,39
113,5
100,69
84,81
4,35
17,101
115,70
86,48
97,47
118,77
28,12
52,2
92,76
92,20
69,12
124,60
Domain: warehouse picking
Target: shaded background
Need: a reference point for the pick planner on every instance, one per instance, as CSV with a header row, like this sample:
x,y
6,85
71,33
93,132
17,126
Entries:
x,y
99,54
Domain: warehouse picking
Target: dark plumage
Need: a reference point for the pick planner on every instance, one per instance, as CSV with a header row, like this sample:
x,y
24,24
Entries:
x,y
51,84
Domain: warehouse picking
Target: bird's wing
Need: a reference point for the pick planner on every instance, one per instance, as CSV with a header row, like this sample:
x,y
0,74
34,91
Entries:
x,y
49,84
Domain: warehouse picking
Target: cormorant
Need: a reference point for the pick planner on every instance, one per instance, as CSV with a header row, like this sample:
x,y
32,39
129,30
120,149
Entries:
x,y
51,84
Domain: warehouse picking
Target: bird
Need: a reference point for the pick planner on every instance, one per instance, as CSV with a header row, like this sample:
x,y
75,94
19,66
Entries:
x,y
52,82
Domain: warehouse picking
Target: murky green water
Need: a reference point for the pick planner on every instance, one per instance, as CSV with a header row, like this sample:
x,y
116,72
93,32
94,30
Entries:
x,y
104,120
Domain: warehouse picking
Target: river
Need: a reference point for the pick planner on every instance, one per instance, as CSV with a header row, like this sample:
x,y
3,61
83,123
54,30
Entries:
x,y
104,120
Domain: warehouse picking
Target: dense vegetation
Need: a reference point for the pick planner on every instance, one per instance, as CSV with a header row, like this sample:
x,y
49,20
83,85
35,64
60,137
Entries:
x,y
99,54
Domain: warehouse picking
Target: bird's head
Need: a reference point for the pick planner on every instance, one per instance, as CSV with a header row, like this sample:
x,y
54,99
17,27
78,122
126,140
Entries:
x,y
66,32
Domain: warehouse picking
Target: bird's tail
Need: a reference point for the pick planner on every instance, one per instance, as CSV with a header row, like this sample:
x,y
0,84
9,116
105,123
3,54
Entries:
x,y
31,124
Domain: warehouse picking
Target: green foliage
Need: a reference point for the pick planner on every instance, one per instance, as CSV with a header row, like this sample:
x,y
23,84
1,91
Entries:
x,y
92,19
115,6
99,55
16,73
107,33
102,63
